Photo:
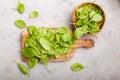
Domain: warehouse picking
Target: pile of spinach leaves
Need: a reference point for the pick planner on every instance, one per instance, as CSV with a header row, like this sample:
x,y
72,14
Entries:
x,y
89,15
43,44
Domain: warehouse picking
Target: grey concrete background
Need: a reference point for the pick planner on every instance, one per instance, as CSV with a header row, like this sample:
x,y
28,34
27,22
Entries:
x,y
103,60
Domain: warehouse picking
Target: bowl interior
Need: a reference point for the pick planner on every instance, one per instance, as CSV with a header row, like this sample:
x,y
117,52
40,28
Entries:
x,y
101,23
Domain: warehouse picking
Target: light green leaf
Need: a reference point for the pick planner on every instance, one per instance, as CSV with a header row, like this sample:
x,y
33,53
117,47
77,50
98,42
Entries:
x,y
20,23
32,62
77,67
80,31
97,18
28,52
33,30
66,37
20,8
83,15
79,22
45,43
62,30
34,14
23,69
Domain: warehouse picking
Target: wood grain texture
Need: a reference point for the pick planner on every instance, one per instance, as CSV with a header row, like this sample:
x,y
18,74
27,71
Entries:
x,y
79,43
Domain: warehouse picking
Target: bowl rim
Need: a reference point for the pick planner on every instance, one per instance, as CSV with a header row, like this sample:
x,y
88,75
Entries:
x,y
101,22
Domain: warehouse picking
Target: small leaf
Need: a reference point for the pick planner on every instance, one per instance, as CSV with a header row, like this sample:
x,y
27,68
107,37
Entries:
x,y
77,67
28,52
20,23
23,69
83,15
33,30
62,30
66,37
79,22
34,14
91,14
20,8
33,62
45,43
80,31
97,18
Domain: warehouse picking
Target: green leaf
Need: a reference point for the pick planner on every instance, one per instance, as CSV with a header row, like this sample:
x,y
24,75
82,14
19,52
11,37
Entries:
x,y
45,43
28,52
23,69
42,31
62,30
93,27
20,8
97,18
50,35
58,36
33,30
77,67
20,23
77,12
33,62
58,55
80,31
66,37
79,22
44,59
34,14
92,13
83,15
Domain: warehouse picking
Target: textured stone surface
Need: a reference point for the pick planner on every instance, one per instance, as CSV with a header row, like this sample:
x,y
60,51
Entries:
x,y
102,61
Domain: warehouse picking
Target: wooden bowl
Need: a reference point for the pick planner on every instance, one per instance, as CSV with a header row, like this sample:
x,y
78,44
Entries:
x,y
101,23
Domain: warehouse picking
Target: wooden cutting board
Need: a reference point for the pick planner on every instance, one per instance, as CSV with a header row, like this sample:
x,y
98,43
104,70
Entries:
x,y
87,43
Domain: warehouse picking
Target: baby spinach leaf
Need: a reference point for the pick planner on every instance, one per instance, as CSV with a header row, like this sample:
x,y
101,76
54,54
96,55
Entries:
x,y
28,52
62,30
33,30
44,59
20,23
20,8
77,12
77,67
58,36
45,43
66,37
79,22
58,55
97,18
42,31
83,15
32,62
79,32
93,27
34,14
50,35
92,13
23,69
